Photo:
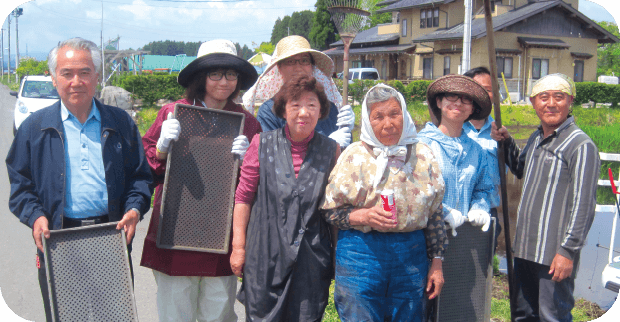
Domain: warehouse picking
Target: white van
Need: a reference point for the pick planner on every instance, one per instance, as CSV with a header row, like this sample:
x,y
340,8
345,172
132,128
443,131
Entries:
x,y
363,73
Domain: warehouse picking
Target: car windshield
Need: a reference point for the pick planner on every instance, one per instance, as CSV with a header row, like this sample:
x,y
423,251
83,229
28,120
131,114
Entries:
x,y
369,75
39,89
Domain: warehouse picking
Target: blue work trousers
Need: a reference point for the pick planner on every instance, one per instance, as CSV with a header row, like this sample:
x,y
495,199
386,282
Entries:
x,y
380,276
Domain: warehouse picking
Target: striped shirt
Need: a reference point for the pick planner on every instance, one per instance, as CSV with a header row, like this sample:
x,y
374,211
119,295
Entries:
x,y
559,192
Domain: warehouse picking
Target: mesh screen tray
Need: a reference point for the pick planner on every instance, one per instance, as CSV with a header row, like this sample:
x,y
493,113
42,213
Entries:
x,y
88,275
468,275
201,176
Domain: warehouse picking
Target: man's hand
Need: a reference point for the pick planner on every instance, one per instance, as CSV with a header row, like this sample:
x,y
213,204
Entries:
x,y
499,134
561,268
435,279
129,222
237,261
41,225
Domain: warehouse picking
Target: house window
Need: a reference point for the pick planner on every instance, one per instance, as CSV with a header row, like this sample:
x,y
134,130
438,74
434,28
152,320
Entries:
x,y
404,27
429,18
578,71
427,64
356,64
436,18
540,68
422,19
504,65
446,65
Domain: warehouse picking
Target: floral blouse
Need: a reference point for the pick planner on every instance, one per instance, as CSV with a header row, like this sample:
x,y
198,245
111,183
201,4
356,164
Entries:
x,y
418,192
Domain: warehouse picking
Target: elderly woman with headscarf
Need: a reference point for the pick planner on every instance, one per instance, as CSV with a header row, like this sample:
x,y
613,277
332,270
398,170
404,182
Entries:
x,y
292,57
281,244
454,100
382,263
196,285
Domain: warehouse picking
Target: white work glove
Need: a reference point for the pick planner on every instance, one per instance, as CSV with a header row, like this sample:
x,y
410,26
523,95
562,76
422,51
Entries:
x,y
240,146
170,130
342,136
479,217
346,117
454,219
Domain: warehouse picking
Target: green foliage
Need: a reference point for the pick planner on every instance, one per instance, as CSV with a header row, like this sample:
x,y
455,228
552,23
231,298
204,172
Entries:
x,y
360,87
495,265
416,90
397,85
30,66
500,310
172,48
264,47
378,18
145,118
13,86
150,88
299,23
608,54
323,30
331,315
597,93
244,52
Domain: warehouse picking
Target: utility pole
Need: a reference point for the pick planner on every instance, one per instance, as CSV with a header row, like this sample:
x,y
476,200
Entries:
x,y
102,52
467,38
9,64
17,12
2,52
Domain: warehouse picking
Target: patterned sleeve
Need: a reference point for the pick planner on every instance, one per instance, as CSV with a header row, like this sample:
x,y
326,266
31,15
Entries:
x,y
435,231
341,193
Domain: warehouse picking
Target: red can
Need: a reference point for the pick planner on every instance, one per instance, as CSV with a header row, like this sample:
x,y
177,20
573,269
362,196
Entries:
x,y
388,203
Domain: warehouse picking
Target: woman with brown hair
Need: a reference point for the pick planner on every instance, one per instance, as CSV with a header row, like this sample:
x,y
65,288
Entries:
x,y
196,285
281,244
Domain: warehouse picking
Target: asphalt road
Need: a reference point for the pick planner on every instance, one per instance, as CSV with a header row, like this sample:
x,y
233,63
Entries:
x,y
18,273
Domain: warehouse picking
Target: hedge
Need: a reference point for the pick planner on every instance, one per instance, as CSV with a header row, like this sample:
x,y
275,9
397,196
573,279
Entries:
x,y
150,88
597,93
414,92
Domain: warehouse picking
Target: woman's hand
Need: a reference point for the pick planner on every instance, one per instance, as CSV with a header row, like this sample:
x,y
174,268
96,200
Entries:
x,y
374,217
237,260
170,130
435,279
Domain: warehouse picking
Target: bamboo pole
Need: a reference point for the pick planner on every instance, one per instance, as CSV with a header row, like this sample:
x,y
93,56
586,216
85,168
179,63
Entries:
x,y
500,158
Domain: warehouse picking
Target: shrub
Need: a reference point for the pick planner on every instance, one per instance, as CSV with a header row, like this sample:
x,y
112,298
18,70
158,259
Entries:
x,y
150,88
359,88
597,93
416,90
397,85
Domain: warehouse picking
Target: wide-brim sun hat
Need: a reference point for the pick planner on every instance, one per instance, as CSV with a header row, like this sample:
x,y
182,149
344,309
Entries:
x,y
293,45
219,53
460,84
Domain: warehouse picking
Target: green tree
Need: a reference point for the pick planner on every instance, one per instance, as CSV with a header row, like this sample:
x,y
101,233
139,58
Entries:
x,y
171,48
379,18
608,54
264,47
30,66
323,30
244,52
301,23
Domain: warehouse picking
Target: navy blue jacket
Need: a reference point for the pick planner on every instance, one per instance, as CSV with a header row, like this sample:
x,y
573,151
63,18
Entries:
x,y
36,166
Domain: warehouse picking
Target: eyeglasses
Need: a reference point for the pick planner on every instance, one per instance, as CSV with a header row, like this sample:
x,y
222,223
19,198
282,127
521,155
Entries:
x,y
454,97
230,75
303,62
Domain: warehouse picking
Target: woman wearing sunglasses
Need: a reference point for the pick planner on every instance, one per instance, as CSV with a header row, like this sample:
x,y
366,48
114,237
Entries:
x,y
196,286
454,100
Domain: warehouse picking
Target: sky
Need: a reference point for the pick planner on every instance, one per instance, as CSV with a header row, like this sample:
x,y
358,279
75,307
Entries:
x,y
138,22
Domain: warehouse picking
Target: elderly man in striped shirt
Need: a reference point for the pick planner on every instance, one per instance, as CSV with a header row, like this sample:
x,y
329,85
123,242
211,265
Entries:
x,y
561,165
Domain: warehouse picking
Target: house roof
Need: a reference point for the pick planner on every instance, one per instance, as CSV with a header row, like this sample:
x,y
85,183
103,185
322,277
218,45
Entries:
x,y
542,42
581,55
387,49
405,4
369,36
478,26
386,2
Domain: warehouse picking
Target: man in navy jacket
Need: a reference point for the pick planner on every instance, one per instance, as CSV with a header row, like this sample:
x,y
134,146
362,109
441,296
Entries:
x,y
77,162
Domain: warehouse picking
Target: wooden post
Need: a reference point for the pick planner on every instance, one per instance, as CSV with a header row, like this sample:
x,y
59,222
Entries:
x,y
500,158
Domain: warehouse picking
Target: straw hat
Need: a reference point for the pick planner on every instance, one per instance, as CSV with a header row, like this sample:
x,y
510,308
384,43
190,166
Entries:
x,y
460,84
216,54
293,45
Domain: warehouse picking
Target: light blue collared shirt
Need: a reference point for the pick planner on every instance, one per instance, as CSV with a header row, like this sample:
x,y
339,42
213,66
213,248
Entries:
x,y
86,191
483,138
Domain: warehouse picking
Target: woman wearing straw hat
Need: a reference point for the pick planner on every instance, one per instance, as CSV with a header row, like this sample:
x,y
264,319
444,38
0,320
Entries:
x,y
281,244
382,262
196,285
454,100
293,56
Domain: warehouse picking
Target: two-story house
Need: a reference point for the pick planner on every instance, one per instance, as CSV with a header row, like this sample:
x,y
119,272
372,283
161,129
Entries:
x,y
533,38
